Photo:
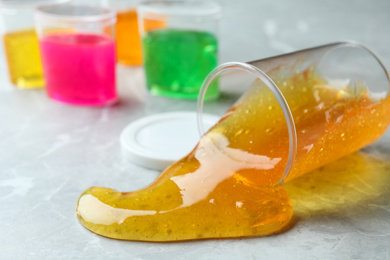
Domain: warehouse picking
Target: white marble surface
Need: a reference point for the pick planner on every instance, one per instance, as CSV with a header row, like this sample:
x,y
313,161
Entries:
x,y
51,152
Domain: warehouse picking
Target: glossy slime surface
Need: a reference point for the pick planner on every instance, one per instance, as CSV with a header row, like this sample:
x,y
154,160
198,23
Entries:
x,y
80,68
177,61
23,58
229,185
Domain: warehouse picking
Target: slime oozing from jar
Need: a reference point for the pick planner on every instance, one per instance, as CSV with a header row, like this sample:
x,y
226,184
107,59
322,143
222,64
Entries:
x,y
229,185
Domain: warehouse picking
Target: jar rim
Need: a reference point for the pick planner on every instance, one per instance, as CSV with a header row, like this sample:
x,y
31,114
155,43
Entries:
x,y
75,13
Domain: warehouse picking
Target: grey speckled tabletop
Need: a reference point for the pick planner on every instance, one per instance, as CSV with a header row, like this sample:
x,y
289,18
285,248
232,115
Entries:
x,y
51,152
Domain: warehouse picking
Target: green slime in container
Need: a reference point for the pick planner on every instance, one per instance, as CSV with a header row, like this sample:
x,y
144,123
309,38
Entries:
x,y
177,61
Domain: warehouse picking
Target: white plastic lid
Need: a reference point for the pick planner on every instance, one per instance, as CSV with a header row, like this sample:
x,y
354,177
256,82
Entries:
x,y
159,140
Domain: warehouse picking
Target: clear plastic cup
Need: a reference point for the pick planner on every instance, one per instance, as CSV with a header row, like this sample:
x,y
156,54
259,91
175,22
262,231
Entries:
x,y
21,42
128,42
180,46
306,108
78,53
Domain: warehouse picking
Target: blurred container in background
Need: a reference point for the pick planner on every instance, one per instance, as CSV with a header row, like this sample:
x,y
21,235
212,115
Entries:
x,y
21,43
180,46
127,36
78,53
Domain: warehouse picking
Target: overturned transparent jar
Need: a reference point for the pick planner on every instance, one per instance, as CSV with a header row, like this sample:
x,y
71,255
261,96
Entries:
x,y
309,107
301,110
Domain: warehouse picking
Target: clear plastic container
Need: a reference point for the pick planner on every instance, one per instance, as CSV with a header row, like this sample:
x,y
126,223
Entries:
x,y
308,108
180,46
21,42
78,53
128,41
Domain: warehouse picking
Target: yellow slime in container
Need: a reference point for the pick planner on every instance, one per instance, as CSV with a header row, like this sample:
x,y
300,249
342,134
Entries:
x,y
23,58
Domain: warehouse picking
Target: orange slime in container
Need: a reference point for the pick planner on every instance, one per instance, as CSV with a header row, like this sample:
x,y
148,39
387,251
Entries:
x,y
230,184
129,50
128,40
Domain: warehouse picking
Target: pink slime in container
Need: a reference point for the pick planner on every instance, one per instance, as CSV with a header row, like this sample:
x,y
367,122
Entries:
x,y
80,68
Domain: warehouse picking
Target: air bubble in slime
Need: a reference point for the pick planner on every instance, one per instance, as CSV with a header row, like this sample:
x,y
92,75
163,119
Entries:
x,y
305,109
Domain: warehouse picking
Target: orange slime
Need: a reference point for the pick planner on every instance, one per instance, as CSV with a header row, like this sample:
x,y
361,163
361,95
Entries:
x,y
128,40
230,184
129,50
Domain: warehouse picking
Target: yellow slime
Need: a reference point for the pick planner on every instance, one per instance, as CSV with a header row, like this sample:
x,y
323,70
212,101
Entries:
x,y
230,184
23,58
